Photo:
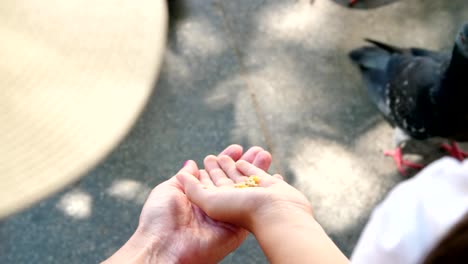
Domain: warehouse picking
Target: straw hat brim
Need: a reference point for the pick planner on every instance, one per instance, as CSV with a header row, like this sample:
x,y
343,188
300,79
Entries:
x,y
74,76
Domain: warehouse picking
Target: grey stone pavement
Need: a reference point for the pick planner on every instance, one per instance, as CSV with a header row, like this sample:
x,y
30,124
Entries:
x,y
273,73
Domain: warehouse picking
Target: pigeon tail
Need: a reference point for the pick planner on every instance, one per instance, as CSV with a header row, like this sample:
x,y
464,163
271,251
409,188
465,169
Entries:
x,y
370,57
372,62
384,46
418,52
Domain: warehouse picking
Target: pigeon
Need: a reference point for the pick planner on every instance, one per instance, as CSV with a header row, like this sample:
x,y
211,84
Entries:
x,y
421,93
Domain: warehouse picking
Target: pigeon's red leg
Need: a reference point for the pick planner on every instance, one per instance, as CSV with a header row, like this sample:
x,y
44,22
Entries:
x,y
352,2
401,163
454,150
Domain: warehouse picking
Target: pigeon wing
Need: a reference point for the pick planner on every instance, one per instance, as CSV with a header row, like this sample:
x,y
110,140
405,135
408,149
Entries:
x,y
412,81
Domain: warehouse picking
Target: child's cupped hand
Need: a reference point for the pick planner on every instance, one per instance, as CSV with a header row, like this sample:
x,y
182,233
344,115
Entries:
x,y
215,192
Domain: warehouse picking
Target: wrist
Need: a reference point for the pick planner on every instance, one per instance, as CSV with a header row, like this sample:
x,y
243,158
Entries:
x,y
280,214
301,237
140,248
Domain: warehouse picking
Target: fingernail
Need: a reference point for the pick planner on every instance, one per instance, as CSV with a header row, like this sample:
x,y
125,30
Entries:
x,y
185,163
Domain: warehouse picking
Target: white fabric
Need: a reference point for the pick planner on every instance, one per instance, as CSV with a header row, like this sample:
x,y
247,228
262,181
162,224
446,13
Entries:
x,y
415,215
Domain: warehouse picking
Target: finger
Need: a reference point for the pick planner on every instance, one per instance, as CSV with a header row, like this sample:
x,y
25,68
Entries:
x,y
217,175
205,179
251,153
262,160
278,177
229,167
199,194
190,167
234,151
249,169
193,188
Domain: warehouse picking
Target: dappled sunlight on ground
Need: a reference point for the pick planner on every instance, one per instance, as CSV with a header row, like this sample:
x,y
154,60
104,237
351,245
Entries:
x,y
76,204
289,22
201,37
335,177
130,190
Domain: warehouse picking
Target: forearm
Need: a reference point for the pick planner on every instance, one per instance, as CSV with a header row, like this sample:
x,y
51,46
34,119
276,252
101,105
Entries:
x,y
298,238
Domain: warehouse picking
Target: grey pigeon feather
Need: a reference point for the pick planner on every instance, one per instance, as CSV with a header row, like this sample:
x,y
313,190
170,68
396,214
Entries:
x,y
419,91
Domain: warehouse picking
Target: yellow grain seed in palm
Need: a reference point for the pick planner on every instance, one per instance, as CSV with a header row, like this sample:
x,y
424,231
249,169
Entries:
x,y
252,181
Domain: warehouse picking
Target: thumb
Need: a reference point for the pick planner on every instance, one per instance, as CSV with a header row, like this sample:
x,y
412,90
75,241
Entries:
x,y
193,188
190,167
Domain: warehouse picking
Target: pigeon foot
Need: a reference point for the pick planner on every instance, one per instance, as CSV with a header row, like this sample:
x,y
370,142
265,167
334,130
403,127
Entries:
x,y
401,163
351,3
454,150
